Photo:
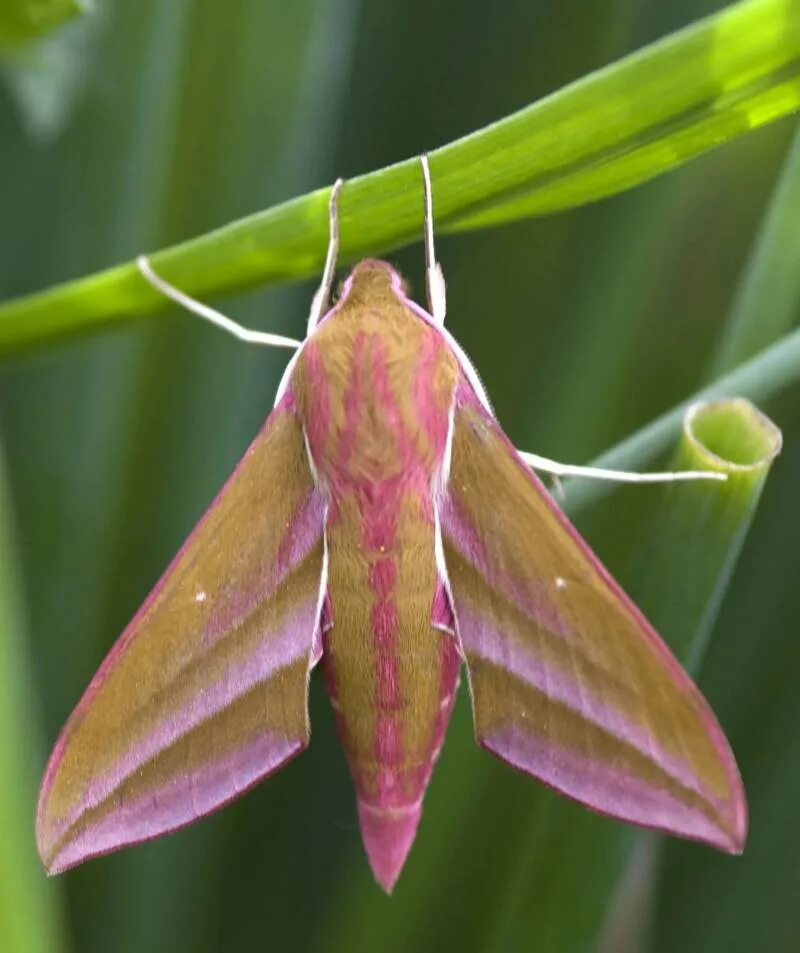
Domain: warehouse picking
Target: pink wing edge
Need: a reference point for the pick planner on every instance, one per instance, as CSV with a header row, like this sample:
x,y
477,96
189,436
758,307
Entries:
x,y
285,403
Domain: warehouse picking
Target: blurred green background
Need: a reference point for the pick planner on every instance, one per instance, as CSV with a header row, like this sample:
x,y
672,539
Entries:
x,y
144,124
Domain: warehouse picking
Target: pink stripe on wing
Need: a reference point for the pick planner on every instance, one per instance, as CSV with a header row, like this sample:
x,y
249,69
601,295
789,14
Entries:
x,y
185,799
527,594
280,650
479,638
299,538
608,790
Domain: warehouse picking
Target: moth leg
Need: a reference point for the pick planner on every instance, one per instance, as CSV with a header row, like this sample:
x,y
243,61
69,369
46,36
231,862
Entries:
x,y
321,300
210,314
620,476
434,278
557,487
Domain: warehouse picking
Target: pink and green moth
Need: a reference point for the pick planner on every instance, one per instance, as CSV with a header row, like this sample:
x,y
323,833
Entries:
x,y
382,523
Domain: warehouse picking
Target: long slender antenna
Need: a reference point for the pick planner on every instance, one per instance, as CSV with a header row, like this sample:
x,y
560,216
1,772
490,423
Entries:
x,y
210,314
321,300
620,476
434,278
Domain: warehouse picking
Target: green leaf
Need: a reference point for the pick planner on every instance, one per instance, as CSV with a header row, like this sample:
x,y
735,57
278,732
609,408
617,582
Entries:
x,y
620,126
30,919
22,20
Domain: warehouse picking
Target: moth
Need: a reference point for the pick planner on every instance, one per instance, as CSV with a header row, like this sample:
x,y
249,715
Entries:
x,y
382,523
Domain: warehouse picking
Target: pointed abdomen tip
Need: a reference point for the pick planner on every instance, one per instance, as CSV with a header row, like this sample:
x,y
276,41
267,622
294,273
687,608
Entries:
x,y
388,833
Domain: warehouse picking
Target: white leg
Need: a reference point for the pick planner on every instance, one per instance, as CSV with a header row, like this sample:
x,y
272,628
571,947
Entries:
x,y
557,487
434,279
209,314
321,300
620,476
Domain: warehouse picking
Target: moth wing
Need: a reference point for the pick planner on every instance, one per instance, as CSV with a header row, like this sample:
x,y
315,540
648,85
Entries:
x,y
205,692
569,681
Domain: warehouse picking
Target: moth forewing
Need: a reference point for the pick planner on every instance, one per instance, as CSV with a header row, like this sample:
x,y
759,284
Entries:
x,y
569,681
205,692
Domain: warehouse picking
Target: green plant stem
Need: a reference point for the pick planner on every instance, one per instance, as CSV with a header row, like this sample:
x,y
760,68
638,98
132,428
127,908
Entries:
x,y
622,125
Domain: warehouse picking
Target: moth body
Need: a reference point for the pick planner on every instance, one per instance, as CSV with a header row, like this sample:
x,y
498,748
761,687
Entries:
x,y
375,386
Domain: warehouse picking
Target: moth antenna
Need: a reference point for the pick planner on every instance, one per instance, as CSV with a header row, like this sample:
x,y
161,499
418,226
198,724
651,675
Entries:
x,y
210,314
620,476
321,300
434,278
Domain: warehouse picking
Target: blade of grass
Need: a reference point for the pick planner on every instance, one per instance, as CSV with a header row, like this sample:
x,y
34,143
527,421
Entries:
x,y
620,126
767,302
30,915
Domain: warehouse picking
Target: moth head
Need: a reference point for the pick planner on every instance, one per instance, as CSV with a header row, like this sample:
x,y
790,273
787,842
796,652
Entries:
x,y
373,282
